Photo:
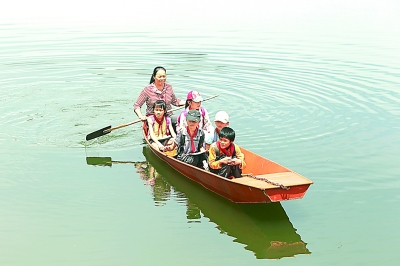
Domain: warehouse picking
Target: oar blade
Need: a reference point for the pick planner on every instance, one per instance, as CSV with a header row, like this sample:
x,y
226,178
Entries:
x,y
98,133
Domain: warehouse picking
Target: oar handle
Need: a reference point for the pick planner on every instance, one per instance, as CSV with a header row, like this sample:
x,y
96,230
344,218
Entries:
x,y
108,129
136,121
123,125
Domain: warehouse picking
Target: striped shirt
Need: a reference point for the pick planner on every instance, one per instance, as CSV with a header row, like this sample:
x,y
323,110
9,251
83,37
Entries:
x,y
150,94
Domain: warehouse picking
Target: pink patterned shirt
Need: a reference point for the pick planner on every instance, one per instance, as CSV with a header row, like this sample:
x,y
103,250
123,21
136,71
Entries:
x,y
150,94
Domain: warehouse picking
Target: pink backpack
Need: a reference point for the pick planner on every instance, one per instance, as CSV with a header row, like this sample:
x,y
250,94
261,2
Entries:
x,y
203,113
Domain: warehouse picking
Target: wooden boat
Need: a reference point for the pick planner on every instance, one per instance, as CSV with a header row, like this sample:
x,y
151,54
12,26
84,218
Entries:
x,y
262,180
264,229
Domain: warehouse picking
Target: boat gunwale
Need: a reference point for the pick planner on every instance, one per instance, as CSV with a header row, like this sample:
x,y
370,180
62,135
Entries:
x,y
231,184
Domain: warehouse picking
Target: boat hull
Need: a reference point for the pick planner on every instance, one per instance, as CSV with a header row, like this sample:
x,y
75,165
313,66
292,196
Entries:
x,y
246,189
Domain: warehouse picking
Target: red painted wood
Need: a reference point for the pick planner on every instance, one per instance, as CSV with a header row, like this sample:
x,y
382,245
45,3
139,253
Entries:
x,y
237,192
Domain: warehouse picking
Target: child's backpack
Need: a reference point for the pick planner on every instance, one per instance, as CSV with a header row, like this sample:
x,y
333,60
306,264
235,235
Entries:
x,y
217,152
202,110
167,120
226,171
182,140
187,158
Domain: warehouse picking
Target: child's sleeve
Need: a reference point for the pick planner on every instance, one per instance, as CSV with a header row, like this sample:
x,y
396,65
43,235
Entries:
x,y
178,139
240,156
180,122
170,127
202,139
207,123
211,158
150,129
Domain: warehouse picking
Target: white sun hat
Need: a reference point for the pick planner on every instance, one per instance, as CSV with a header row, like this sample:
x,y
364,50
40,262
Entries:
x,y
222,116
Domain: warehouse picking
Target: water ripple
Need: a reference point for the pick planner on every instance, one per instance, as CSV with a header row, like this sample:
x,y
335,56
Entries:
x,y
58,87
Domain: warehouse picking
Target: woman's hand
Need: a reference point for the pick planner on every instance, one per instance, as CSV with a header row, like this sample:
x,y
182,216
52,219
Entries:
x,y
138,112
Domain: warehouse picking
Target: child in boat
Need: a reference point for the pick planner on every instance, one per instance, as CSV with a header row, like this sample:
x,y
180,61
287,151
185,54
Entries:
x,y
193,102
160,130
190,140
225,158
221,120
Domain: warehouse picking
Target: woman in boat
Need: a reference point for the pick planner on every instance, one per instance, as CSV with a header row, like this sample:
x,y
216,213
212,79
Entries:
x,y
225,158
193,102
160,129
158,89
190,140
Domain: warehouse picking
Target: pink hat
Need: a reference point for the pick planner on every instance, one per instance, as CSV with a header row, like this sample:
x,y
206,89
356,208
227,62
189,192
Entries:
x,y
194,96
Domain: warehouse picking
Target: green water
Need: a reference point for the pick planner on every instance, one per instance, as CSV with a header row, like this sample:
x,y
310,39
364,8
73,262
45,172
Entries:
x,y
313,87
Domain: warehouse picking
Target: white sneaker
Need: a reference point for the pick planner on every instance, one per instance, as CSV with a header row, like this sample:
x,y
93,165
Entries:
x,y
205,165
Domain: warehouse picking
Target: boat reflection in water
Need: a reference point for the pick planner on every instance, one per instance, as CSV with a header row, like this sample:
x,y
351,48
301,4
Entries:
x,y
264,229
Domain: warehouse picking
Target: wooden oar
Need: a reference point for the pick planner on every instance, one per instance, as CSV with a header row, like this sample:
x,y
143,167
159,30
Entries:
x,y
108,129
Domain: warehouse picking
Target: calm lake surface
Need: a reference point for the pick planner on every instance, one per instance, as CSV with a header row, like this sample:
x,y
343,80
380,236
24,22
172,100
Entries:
x,y
315,88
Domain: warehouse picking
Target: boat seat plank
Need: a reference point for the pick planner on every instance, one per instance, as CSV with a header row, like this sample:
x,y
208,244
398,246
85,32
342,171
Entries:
x,y
284,178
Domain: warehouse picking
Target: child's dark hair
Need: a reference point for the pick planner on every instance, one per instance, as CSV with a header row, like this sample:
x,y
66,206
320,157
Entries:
x,y
161,104
227,133
156,69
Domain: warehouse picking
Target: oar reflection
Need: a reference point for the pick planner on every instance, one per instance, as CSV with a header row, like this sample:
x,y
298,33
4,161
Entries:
x,y
161,189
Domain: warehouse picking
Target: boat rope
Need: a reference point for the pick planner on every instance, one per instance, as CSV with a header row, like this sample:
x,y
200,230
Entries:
x,y
268,181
